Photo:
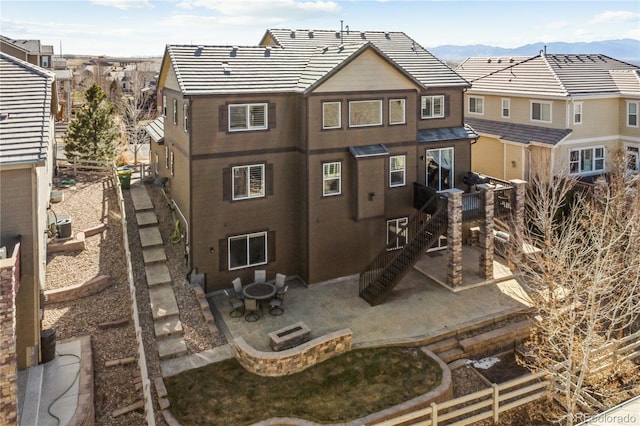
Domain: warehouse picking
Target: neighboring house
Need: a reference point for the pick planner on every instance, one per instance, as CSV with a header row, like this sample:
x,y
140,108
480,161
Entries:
x,y
564,113
300,155
27,110
31,51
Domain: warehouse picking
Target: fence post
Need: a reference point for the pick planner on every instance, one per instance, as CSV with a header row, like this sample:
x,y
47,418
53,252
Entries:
x,y
434,414
496,402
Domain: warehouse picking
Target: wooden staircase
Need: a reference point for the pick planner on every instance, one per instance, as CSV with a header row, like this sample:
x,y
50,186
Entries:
x,y
422,232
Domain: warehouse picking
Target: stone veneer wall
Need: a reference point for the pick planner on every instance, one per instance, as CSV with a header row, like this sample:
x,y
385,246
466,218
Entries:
x,y
8,360
294,360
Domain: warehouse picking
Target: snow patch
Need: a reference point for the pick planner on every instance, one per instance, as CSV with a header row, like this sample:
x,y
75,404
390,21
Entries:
x,y
484,363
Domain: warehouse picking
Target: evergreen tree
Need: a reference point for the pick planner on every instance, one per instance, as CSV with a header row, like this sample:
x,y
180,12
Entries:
x,y
93,135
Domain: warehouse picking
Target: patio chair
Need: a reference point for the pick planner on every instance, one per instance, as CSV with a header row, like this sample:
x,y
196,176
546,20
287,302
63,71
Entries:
x,y
237,305
237,288
260,276
275,304
251,310
280,278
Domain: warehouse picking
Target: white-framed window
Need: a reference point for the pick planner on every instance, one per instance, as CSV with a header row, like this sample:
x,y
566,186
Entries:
x,y
331,115
586,160
155,164
397,111
541,111
397,233
432,106
164,105
476,105
166,157
505,110
439,168
175,111
397,170
247,250
243,117
45,62
172,164
633,158
185,116
365,113
248,181
331,178
632,114
577,113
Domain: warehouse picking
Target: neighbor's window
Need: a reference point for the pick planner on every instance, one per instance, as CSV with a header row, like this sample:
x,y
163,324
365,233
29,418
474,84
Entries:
x,y
175,111
331,115
166,156
185,116
397,170
397,233
248,181
171,163
633,158
155,165
577,113
506,107
247,250
331,178
164,105
247,117
586,160
365,113
432,106
632,114
397,111
476,105
541,111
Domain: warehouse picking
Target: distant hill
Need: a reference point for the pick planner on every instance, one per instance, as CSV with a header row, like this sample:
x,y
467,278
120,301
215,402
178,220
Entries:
x,y
623,49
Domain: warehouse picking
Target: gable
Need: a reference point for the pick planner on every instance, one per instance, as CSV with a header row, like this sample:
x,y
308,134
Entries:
x,y
368,72
168,78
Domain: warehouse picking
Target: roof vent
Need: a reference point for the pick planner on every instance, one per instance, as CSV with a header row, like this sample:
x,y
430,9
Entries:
x,y
341,47
199,50
488,60
324,49
292,34
363,34
510,60
226,68
234,51
337,34
499,60
267,51
386,35
4,116
310,33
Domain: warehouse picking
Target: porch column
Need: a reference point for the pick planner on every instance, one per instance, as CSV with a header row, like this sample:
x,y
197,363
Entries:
x,y
486,231
8,360
454,237
519,201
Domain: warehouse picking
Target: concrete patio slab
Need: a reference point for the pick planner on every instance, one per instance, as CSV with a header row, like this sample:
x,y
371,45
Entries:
x,y
150,237
153,255
163,302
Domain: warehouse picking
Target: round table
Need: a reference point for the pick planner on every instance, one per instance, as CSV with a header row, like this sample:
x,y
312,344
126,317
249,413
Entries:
x,y
259,291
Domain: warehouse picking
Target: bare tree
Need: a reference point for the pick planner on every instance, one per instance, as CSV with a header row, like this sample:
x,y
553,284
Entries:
x,y
135,113
584,282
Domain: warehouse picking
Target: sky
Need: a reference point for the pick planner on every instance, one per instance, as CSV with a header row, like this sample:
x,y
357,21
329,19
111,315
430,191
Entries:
x,y
144,27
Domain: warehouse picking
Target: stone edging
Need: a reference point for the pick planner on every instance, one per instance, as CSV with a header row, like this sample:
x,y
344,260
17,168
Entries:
x,y
89,288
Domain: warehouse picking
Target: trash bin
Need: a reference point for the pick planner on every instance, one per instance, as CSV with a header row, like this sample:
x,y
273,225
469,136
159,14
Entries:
x,y
48,344
124,174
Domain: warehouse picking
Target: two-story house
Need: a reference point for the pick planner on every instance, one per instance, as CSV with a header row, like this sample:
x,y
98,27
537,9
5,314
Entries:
x,y
563,113
27,109
31,51
300,155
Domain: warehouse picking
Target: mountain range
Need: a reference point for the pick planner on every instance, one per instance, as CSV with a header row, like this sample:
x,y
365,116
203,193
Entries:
x,y
623,49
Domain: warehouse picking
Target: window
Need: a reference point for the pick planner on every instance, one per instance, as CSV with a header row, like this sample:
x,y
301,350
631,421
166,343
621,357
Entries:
x,y
397,233
506,108
247,117
331,115
577,113
247,250
397,170
439,168
248,181
432,106
633,158
541,111
476,105
164,105
175,111
155,164
331,178
632,114
171,163
166,156
586,160
397,111
365,113
185,116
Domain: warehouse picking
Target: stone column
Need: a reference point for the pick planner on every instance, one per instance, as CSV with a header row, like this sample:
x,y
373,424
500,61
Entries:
x,y
486,230
8,360
454,238
517,218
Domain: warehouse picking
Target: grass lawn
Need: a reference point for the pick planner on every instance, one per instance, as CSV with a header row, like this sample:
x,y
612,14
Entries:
x,y
344,388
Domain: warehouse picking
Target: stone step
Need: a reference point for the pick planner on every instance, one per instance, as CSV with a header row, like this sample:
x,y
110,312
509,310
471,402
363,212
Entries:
x,y
443,345
163,302
451,355
171,347
154,255
167,327
150,237
140,198
171,367
157,274
495,338
146,218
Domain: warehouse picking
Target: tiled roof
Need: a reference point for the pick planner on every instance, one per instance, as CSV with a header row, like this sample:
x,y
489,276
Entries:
x,y
627,81
25,111
476,67
447,134
31,46
155,129
522,133
401,49
554,75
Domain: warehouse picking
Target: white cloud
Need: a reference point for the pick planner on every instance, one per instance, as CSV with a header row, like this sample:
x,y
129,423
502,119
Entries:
x,y
557,25
285,9
125,4
615,16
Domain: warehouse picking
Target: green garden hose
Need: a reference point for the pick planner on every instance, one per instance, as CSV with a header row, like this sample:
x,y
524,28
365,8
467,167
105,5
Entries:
x,y
176,236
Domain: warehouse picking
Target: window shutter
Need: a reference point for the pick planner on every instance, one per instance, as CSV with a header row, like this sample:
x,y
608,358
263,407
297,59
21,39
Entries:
x,y
269,179
226,184
447,105
222,252
271,249
272,115
222,118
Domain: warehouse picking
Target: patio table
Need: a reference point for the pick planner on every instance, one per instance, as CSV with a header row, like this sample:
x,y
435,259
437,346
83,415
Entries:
x,y
259,291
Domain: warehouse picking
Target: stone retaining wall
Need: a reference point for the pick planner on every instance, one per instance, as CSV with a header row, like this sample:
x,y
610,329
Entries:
x,y
294,360
73,292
